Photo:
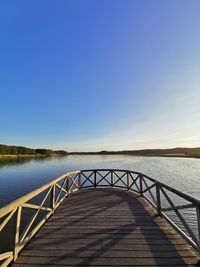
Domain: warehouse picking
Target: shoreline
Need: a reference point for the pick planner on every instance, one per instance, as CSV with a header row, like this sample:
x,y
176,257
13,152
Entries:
x,y
7,156
136,155
21,156
29,156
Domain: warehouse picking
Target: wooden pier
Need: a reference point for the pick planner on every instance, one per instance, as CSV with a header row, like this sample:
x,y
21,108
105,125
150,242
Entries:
x,y
102,224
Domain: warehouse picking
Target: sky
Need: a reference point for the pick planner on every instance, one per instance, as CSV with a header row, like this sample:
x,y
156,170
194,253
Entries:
x,y
87,75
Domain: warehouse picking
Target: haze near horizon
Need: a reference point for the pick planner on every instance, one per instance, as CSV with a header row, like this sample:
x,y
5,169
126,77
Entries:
x,y
100,75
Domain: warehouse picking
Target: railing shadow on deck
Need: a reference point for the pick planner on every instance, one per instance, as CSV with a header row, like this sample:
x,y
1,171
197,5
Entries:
x,y
100,246
45,200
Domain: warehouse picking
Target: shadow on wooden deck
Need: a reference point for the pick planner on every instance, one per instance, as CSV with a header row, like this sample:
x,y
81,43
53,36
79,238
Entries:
x,y
106,227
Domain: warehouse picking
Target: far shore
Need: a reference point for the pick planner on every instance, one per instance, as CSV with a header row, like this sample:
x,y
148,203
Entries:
x,y
178,155
28,156
7,151
21,156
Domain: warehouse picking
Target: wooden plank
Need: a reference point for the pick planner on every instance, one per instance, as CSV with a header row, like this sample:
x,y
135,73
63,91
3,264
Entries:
x,y
7,220
124,235
67,233
104,261
102,227
7,261
115,247
123,265
109,253
6,255
111,241
37,207
17,228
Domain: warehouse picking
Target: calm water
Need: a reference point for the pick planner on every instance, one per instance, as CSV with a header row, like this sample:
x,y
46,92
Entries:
x,y
20,177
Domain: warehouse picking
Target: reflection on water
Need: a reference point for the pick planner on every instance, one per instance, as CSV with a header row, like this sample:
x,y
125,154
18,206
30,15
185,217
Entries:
x,y
18,160
10,161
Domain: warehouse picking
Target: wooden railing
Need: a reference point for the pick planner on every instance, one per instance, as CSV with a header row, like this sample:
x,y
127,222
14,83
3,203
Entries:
x,y
20,220
40,204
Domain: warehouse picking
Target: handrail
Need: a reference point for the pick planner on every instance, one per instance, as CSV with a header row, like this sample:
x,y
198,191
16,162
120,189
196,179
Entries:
x,y
176,191
48,197
54,194
5,210
162,198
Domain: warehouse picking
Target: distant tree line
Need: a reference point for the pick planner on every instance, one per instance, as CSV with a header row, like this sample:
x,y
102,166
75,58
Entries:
x,y
44,151
20,150
178,151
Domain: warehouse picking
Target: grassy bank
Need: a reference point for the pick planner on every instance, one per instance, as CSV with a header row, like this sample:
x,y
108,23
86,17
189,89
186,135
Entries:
x,y
30,156
182,155
22,156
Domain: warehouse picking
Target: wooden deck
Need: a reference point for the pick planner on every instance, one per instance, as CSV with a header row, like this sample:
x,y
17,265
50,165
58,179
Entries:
x,y
106,227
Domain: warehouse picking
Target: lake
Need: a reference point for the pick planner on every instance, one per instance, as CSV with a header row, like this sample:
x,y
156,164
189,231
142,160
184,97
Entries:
x,y
21,176
18,177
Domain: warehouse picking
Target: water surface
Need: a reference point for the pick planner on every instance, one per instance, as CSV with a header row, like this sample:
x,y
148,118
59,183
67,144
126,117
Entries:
x,y
20,176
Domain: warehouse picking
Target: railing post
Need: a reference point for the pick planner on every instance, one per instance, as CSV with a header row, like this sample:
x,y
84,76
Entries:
x,y
79,181
158,199
112,179
198,225
53,193
17,229
128,181
67,184
141,185
95,179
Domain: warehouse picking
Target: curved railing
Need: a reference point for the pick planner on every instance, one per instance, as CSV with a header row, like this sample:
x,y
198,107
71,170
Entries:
x,y
21,219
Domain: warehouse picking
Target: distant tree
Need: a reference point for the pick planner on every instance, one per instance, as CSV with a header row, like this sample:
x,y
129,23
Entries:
x,y
16,150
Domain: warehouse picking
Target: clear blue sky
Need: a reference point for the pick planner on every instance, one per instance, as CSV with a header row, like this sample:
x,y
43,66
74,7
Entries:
x,y
88,75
